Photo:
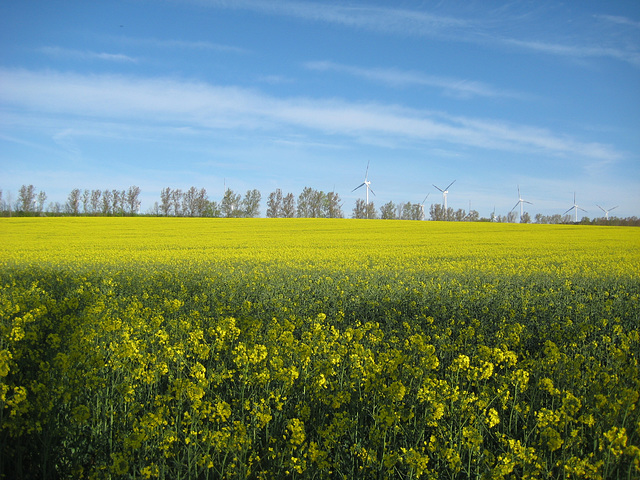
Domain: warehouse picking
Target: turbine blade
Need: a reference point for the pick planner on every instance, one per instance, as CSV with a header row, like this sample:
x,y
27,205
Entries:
x,y
450,185
601,208
514,207
366,175
438,188
371,190
613,207
525,201
362,184
569,210
425,199
580,208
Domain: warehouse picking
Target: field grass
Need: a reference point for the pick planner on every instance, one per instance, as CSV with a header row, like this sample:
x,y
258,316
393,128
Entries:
x,y
309,348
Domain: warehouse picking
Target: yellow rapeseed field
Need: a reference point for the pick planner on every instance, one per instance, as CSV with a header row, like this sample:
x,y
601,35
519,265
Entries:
x,y
312,348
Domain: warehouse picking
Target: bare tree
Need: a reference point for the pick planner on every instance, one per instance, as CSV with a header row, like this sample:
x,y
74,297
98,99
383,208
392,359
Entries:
x,y
42,197
289,206
107,198
133,199
363,210
305,201
73,202
86,198
274,204
26,198
95,201
165,201
189,202
176,201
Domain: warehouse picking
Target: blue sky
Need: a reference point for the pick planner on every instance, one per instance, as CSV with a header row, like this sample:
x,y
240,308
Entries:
x,y
286,94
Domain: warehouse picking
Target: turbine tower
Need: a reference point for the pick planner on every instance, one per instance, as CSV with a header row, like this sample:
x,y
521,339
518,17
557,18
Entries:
x,y
366,184
606,212
422,207
575,207
520,202
444,195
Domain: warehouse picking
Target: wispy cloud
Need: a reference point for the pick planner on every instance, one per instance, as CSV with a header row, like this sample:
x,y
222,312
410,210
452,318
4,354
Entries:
x,y
619,20
578,52
392,20
476,27
180,44
399,78
55,51
204,107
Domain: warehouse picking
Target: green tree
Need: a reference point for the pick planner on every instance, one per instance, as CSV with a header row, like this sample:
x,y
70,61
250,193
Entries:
x,y
230,205
388,211
251,203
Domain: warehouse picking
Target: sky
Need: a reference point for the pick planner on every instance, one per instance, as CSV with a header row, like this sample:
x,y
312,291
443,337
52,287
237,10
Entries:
x,y
540,96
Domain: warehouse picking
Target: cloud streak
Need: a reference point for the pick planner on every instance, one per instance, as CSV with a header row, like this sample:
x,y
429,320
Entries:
x,y
398,78
55,51
200,106
477,28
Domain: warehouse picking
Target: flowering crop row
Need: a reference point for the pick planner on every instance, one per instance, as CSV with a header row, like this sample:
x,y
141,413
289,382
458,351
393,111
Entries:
x,y
197,348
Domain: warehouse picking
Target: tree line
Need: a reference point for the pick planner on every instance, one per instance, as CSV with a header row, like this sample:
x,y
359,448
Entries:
x,y
310,203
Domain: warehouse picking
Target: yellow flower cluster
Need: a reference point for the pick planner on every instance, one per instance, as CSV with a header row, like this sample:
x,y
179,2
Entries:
x,y
305,348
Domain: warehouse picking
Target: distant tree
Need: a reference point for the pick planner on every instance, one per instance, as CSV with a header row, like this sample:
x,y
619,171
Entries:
x,y
118,198
202,202
317,204
332,206
251,203
42,197
364,210
305,201
459,215
511,217
107,197
165,201
86,199
154,210
73,202
274,204
388,211
176,201
526,218
95,201
55,208
436,212
473,216
411,211
212,209
189,202
132,199
289,206
230,205
26,198
360,209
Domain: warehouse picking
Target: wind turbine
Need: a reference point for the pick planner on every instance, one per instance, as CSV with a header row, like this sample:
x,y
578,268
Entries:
x,y
422,207
444,195
606,212
575,206
367,184
520,202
